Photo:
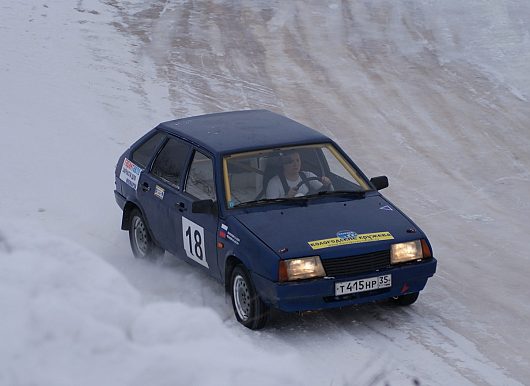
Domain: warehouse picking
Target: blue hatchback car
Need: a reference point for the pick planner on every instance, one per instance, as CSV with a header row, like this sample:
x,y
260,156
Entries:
x,y
274,210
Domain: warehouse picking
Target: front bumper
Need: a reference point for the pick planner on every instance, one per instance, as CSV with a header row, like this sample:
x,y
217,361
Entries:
x,y
319,294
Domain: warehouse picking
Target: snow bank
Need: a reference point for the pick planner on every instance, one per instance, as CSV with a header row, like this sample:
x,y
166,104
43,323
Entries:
x,y
68,317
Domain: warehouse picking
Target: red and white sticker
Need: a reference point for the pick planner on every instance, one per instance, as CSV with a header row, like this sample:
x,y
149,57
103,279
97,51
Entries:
x,y
130,173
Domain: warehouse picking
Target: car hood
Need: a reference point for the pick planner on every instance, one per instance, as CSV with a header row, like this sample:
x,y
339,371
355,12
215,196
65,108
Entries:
x,y
331,229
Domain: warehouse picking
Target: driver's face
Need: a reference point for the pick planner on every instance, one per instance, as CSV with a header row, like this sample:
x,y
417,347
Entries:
x,y
292,165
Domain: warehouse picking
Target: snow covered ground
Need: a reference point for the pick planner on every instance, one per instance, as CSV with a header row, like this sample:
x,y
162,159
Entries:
x,y
433,94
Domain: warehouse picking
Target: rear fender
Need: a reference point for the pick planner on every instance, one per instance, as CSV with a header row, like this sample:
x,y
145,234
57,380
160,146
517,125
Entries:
x,y
126,217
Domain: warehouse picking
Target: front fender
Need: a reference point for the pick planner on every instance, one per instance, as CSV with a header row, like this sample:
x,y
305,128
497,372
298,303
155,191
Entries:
x,y
255,255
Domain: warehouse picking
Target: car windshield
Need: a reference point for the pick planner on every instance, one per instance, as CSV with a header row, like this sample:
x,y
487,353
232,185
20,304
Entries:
x,y
289,174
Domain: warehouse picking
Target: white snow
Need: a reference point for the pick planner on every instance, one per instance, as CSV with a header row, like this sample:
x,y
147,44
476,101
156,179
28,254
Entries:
x,y
70,318
432,94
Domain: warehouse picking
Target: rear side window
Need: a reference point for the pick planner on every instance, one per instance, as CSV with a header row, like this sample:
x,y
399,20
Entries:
x,y
142,155
171,161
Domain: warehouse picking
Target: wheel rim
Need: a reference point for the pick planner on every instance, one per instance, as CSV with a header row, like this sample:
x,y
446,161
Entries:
x,y
241,297
140,235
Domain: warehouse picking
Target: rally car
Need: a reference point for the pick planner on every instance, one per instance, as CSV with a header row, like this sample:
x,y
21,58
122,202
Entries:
x,y
274,210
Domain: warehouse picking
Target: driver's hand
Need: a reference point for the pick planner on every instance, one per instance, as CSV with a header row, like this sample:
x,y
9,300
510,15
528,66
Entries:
x,y
325,181
292,192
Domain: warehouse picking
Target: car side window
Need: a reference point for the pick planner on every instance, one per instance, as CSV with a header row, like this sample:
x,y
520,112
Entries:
x,y
143,154
200,182
171,160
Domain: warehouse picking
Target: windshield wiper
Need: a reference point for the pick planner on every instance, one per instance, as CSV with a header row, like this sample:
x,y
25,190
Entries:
x,y
283,200
302,200
347,193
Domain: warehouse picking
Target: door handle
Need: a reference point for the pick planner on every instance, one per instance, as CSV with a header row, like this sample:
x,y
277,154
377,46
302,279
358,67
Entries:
x,y
180,206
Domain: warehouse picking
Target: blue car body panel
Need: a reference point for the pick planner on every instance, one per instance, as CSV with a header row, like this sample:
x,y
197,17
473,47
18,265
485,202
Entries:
x,y
261,236
322,218
319,293
233,132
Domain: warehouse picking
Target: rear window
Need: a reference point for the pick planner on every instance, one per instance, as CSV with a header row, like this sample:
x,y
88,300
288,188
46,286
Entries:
x,y
171,161
143,154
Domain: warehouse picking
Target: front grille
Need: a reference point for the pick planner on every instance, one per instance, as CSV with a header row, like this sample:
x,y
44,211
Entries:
x,y
357,264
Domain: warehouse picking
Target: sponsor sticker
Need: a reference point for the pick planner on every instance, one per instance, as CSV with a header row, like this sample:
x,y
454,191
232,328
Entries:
x,y
225,234
130,173
233,238
346,234
358,239
159,192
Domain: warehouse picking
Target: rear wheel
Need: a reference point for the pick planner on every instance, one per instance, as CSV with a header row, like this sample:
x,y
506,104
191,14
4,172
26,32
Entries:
x,y
249,309
408,299
142,244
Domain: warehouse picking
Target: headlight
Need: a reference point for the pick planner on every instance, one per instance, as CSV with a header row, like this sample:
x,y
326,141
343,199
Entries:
x,y
302,268
402,252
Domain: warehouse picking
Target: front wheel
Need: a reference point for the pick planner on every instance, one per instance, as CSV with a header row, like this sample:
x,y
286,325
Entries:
x,y
408,299
142,244
249,309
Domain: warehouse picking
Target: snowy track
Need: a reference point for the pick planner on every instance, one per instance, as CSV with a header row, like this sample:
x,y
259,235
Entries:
x,y
432,94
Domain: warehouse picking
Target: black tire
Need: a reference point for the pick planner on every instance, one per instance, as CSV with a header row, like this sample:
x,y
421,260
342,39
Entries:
x,y
249,309
408,299
142,244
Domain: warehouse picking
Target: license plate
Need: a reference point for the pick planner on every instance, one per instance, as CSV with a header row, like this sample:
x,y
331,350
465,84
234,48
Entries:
x,y
362,285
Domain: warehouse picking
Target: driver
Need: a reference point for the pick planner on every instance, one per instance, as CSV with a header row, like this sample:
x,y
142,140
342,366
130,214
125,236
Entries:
x,y
292,182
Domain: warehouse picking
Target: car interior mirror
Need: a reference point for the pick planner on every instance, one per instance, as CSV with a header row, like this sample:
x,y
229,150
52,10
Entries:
x,y
380,182
203,206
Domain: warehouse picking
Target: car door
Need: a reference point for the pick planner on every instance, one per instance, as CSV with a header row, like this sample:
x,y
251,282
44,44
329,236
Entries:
x,y
199,230
161,195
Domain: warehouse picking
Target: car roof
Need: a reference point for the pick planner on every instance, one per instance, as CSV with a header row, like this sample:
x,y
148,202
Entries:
x,y
237,131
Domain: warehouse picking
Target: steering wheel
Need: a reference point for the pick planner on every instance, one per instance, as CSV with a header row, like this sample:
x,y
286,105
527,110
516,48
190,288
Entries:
x,y
306,182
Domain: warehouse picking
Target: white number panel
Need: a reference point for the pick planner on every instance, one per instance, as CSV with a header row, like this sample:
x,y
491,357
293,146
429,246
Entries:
x,y
193,238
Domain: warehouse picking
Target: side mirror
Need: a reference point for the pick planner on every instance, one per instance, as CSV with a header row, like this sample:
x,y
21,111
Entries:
x,y
380,182
203,206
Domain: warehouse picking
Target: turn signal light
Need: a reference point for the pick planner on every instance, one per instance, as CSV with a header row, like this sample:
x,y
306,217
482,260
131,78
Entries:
x,y
425,249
